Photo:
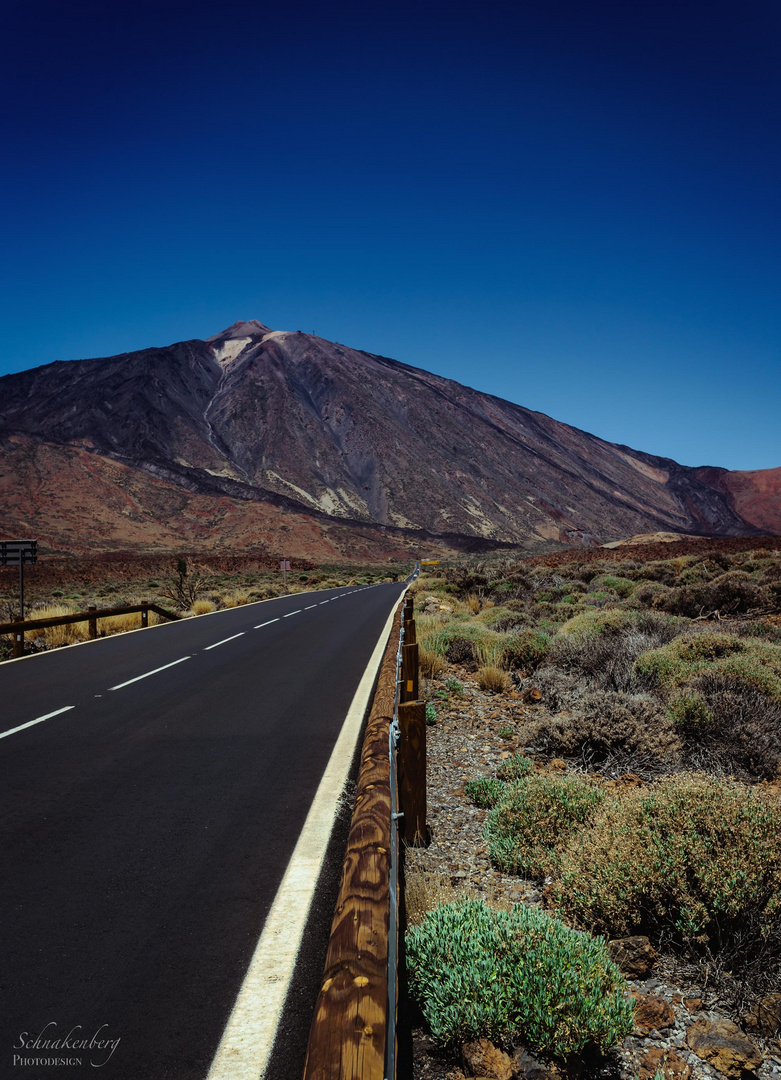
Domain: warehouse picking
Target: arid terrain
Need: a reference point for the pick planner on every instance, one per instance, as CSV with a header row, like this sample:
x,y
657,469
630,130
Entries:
x,y
604,750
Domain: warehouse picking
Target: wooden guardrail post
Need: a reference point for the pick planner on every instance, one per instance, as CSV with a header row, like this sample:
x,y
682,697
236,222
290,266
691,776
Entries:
x,y
412,770
18,639
144,615
347,1040
92,620
409,673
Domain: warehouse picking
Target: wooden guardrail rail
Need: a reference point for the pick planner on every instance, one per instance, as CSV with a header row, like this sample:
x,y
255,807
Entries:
x,y
19,627
351,1025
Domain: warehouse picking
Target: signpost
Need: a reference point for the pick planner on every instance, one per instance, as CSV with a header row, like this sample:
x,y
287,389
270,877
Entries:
x,y
18,553
284,566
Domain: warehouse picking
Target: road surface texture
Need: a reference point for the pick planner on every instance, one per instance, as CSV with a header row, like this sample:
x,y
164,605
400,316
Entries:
x,y
147,822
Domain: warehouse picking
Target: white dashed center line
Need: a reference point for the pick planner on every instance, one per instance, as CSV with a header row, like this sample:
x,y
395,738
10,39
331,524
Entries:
x,y
270,621
37,720
310,607
323,602
232,638
148,673
298,612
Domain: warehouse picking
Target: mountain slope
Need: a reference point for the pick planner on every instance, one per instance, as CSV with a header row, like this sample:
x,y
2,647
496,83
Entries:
x,y
317,429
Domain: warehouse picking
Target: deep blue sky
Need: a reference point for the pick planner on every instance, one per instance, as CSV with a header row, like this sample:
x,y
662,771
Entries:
x,y
574,205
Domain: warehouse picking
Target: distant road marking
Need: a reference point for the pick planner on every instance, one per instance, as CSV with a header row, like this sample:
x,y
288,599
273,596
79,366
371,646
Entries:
x,y
270,621
297,612
324,602
231,638
310,607
249,1035
37,720
148,673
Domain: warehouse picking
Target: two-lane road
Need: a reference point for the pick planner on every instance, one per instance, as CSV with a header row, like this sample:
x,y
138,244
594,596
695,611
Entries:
x,y
152,788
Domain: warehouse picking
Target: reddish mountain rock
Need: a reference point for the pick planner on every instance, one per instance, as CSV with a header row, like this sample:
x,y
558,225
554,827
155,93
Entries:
x,y
255,431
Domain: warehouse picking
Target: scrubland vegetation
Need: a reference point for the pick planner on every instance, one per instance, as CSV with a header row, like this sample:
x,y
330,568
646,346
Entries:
x,y
659,685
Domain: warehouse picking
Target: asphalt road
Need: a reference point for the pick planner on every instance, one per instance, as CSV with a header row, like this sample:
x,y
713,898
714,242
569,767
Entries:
x,y
145,830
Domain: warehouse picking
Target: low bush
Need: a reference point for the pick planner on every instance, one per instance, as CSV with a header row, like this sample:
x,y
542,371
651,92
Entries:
x,y
693,857
525,651
726,726
530,826
484,792
731,593
609,729
749,662
478,973
621,586
603,645
460,650
515,767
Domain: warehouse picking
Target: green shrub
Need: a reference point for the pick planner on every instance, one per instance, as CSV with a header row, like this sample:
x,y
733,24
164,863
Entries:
x,y
431,714
694,856
749,662
603,645
597,621
622,586
454,687
730,593
532,823
515,767
487,645
478,973
689,711
484,792
525,651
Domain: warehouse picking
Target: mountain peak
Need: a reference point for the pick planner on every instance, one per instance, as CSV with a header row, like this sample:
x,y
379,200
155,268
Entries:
x,y
241,329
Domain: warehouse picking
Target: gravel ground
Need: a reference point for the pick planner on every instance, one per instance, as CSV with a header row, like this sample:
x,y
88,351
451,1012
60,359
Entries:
x,y
465,743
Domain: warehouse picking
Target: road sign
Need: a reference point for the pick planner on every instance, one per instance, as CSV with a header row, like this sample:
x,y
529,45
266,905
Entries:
x,y
429,562
18,552
284,565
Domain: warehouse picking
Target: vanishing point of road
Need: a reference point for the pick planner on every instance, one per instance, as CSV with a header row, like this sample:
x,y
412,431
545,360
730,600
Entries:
x,y
153,786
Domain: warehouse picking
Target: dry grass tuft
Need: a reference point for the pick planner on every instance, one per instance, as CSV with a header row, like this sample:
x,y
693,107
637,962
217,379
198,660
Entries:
x,y
431,663
54,636
235,599
493,679
203,607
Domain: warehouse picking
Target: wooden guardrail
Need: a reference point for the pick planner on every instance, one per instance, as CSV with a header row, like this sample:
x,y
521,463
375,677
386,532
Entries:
x,y
351,1025
19,627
